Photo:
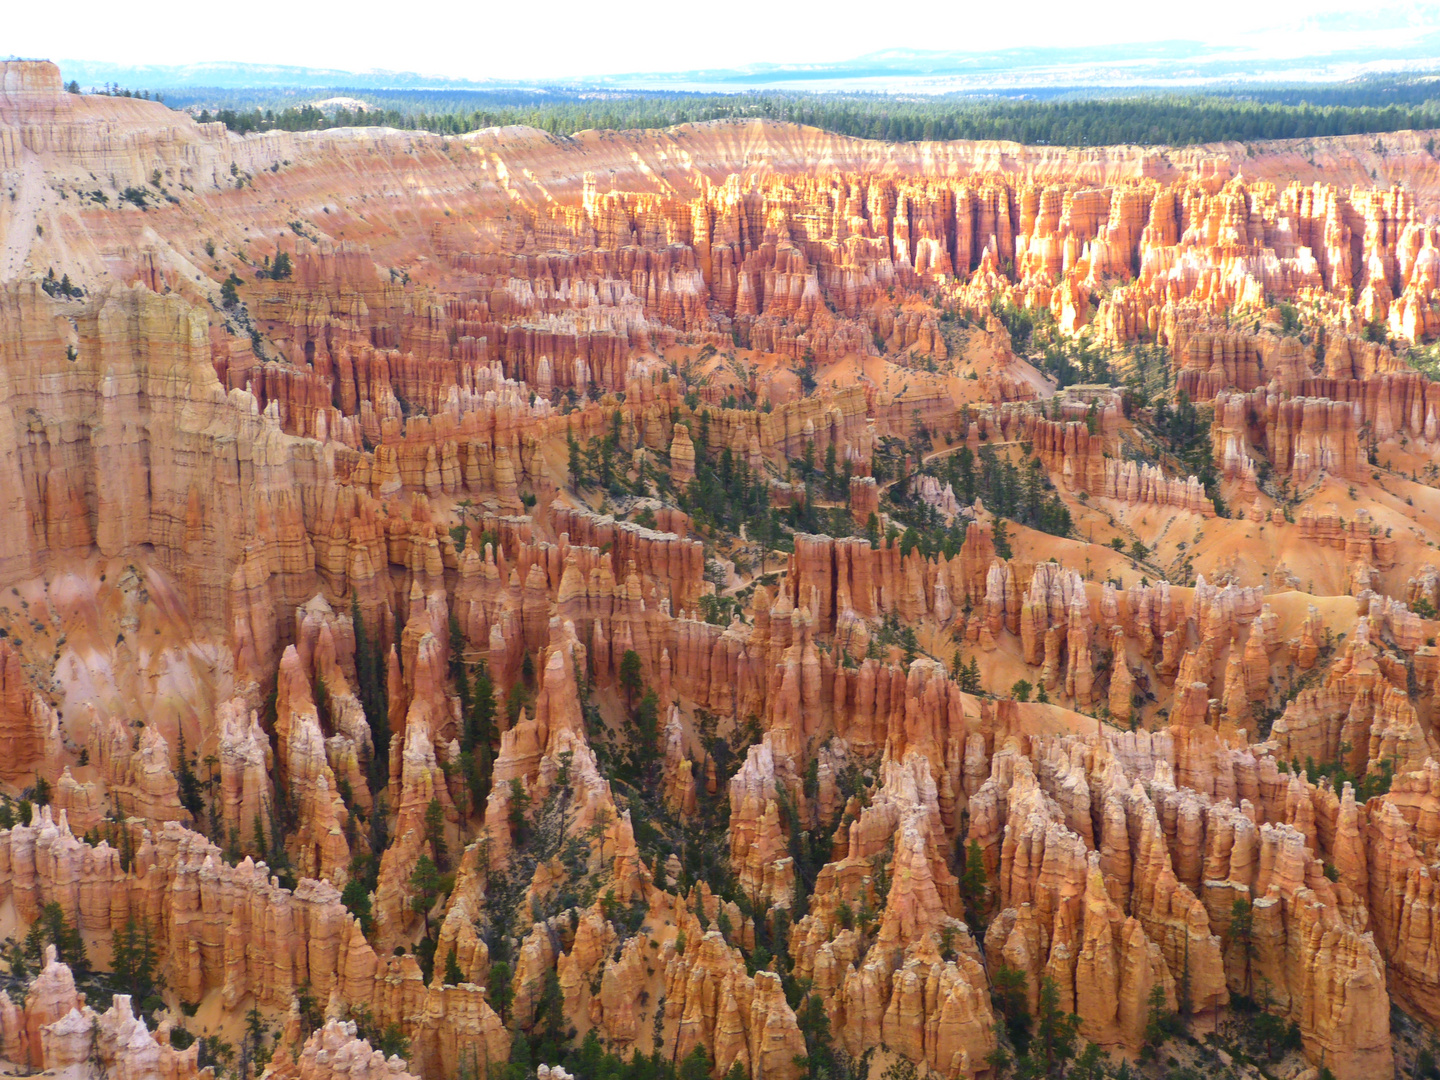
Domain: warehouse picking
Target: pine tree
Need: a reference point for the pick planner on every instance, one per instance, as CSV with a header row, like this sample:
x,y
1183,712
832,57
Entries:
x,y
1160,1023
550,1023
425,886
500,990
356,898
477,738
696,1065
146,962
1182,991
459,645
972,677
189,786
1055,1031
1090,1065
453,975
607,465
435,831
1011,999
974,887
1242,932
1001,539
52,928
577,462
122,953
126,847
521,1058
373,696
966,462
631,674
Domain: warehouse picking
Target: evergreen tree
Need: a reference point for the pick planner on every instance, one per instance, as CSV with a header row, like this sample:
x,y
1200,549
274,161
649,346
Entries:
x,y
500,990
1002,539
645,742
370,673
631,674
1161,1022
435,832
577,462
477,738
1242,923
606,471
189,786
521,1059
971,683
425,888
459,646
550,1024
262,843
52,928
1090,1065
965,463
975,887
1011,999
1055,1031
453,975
356,898
133,960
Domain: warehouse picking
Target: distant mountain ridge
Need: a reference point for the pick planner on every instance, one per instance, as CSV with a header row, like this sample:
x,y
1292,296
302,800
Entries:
x,y
245,76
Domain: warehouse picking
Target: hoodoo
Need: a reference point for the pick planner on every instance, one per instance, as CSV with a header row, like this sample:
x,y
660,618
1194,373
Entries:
x,y
732,601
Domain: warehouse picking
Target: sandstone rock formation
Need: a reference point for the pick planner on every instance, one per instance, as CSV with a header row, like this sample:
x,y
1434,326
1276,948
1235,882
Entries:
x,y
258,586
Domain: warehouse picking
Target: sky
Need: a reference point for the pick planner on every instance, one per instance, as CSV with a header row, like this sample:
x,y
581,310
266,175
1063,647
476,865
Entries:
x,y
478,39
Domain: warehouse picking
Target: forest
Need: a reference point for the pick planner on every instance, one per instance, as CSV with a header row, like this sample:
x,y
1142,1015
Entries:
x,y
1176,119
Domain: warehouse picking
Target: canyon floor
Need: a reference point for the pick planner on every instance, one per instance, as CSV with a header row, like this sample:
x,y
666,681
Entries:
x,y
732,601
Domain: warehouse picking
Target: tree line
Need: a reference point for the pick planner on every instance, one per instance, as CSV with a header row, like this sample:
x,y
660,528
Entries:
x,y
1143,118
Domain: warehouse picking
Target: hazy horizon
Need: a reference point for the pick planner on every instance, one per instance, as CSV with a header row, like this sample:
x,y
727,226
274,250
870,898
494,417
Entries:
x,y
654,40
